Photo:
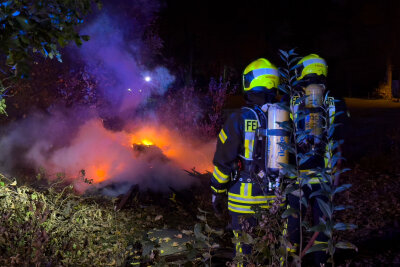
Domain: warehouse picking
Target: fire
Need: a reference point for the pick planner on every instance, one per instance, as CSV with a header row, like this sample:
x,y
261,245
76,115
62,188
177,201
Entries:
x,y
152,136
101,174
105,154
146,142
176,147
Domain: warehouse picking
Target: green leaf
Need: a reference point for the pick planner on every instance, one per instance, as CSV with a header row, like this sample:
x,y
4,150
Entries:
x,y
300,117
337,144
321,227
304,159
289,189
289,168
336,114
78,41
300,100
342,207
246,238
319,192
210,230
341,188
325,208
304,201
332,128
202,218
296,67
284,107
197,232
306,225
294,60
285,125
343,171
344,226
336,158
283,74
290,212
85,37
287,146
292,53
318,247
346,245
284,53
283,89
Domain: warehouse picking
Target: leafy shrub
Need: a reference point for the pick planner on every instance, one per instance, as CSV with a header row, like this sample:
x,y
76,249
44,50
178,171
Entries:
x,y
58,227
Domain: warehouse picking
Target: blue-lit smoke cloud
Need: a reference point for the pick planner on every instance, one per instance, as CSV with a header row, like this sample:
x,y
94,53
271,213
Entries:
x,y
117,55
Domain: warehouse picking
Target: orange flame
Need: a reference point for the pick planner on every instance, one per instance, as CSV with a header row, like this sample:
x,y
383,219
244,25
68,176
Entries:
x,y
147,142
173,145
106,154
99,173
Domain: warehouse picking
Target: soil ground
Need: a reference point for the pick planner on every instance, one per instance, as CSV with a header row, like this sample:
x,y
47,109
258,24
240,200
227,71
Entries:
x,y
372,149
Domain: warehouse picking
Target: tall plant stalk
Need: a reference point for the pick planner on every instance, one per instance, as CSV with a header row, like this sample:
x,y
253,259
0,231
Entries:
x,y
325,174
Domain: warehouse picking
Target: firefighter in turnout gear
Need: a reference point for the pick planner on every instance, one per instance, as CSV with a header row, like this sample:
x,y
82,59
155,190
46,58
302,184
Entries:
x,y
250,136
312,72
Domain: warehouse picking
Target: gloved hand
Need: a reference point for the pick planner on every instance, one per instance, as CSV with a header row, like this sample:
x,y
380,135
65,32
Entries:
x,y
218,202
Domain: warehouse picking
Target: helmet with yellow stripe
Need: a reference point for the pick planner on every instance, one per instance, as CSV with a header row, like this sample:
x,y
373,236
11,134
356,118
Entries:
x,y
260,75
311,66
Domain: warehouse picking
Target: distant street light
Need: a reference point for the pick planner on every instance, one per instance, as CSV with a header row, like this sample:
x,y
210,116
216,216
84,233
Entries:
x,y
147,78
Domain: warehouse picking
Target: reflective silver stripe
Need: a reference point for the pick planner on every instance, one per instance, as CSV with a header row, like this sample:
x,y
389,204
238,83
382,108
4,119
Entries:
x,y
222,136
219,177
239,209
265,71
243,157
250,137
246,189
314,60
250,200
332,112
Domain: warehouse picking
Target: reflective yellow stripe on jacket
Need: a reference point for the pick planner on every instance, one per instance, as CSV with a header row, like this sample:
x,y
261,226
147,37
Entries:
x,y
244,201
222,136
220,176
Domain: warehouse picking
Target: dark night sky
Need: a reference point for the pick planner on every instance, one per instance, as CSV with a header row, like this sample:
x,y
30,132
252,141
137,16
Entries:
x,y
356,37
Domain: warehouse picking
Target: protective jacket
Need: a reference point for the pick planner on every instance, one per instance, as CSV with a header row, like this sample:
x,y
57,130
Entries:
x,y
235,143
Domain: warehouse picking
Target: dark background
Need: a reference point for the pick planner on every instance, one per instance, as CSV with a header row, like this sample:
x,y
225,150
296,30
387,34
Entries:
x,y
357,38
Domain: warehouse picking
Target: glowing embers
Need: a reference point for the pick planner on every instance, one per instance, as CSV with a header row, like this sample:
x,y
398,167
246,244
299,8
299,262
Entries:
x,y
146,142
147,149
154,136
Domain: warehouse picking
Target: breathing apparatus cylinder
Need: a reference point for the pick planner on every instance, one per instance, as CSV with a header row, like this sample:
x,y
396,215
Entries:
x,y
276,154
313,119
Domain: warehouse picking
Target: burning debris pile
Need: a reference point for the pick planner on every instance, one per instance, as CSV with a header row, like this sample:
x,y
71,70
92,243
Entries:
x,y
149,155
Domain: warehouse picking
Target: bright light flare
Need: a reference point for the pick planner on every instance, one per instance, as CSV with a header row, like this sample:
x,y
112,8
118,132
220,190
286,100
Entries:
x,y
147,79
146,142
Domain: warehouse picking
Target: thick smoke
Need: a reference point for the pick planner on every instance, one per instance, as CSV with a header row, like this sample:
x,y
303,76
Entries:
x,y
117,56
68,141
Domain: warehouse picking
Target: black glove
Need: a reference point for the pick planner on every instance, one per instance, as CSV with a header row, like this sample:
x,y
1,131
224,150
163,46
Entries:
x,y
218,202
